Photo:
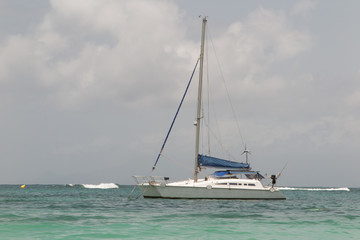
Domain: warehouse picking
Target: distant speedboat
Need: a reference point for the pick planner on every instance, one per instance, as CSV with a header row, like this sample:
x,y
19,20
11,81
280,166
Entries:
x,y
235,181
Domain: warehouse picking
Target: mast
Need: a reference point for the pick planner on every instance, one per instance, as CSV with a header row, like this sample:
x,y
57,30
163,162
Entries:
x,y
198,116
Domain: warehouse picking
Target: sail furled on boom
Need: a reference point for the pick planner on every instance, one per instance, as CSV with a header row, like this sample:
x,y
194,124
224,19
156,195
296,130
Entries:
x,y
207,161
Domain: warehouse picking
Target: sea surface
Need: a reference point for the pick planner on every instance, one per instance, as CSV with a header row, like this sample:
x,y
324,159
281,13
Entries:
x,y
104,211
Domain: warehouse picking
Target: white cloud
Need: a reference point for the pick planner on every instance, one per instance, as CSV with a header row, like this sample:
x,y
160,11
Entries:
x,y
303,7
91,50
249,50
264,38
86,52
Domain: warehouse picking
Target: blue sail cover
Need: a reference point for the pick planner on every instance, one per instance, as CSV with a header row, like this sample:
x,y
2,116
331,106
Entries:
x,y
207,161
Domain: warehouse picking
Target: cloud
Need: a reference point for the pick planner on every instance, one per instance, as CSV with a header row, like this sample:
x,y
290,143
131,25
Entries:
x,y
129,50
82,84
250,48
303,7
88,55
248,51
91,51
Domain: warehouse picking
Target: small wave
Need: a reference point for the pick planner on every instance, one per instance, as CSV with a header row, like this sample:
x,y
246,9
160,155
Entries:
x,y
314,189
101,185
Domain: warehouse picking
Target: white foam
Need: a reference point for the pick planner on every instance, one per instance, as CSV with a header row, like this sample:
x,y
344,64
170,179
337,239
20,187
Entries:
x,y
101,185
314,189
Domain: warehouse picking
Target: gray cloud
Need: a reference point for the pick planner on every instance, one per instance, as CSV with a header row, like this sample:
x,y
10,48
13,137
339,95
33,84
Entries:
x,y
88,89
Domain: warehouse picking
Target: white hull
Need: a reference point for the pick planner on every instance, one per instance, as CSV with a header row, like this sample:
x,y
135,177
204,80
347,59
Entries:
x,y
220,189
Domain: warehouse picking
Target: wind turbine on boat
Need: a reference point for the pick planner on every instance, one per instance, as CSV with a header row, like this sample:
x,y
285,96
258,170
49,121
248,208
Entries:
x,y
247,152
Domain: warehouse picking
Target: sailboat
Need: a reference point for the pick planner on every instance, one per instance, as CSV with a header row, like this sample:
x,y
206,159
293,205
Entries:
x,y
233,180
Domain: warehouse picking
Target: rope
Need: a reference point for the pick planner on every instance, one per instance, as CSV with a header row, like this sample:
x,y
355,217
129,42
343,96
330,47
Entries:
x,y
227,92
172,124
221,144
208,93
282,169
141,192
132,192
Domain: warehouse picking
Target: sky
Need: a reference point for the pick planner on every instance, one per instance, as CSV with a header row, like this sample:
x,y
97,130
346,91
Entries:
x,y
88,89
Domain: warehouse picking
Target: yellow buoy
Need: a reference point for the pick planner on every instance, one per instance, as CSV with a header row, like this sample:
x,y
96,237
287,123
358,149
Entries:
x,y
22,186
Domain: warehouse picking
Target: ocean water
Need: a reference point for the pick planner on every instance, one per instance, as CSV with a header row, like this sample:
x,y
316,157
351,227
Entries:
x,y
104,212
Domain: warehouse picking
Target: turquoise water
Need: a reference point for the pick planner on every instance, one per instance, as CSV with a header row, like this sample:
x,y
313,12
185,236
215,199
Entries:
x,y
82,212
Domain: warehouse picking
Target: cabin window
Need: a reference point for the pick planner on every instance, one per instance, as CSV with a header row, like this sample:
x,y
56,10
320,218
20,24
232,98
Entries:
x,y
251,184
245,184
232,183
221,183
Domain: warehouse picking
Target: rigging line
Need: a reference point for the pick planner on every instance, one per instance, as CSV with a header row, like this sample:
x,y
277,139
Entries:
x,y
212,106
218,137
208,91
203,123
205,120
132,191
172,124
227,91
221,144
282,169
